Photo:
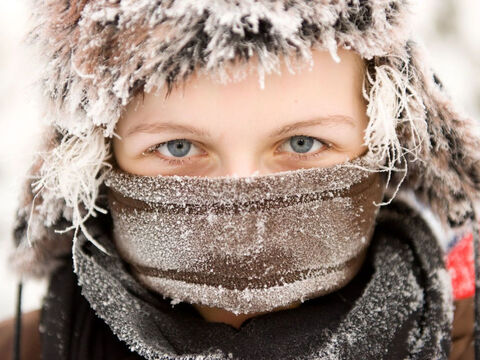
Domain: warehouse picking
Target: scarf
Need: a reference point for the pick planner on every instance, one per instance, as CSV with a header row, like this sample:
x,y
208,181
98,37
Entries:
x,y
248,244
398,306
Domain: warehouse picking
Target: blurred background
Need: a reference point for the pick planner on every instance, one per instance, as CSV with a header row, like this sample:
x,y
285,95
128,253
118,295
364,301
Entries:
x,y
449,29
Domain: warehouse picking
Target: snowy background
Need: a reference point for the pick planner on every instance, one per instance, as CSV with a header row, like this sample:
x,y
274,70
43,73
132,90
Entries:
x,y
448,27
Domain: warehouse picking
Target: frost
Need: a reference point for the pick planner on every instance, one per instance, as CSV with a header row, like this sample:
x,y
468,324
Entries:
x,y
245,244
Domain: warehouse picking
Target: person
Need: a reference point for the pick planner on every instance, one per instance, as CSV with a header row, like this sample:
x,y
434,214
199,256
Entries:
x,y
322,209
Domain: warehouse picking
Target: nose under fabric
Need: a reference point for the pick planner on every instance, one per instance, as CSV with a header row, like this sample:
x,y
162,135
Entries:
x,y
246,244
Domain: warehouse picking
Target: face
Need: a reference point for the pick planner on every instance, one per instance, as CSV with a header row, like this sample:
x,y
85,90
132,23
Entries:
x,y
309,119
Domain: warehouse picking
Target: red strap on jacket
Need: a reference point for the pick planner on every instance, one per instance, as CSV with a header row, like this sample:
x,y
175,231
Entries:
x,y
460,266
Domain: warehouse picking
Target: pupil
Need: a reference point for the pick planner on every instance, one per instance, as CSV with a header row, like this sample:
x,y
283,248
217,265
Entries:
x,y
301,144
179,148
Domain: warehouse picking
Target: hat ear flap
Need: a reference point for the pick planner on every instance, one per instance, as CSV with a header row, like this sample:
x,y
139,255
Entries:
x,y
38,248
447,175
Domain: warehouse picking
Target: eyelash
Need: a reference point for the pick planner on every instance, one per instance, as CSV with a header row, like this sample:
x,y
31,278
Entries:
x,y
181,161
327,145
172,161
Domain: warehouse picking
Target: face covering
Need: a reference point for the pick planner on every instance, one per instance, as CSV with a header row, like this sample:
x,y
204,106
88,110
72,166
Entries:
x,y
245,244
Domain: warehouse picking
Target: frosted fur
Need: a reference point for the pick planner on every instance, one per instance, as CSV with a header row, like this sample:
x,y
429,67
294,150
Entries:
x,y
100,90
390,94
447,175
73,159
95,57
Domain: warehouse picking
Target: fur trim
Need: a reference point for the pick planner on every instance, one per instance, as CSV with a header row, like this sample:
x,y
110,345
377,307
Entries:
x,y
97,57
447,175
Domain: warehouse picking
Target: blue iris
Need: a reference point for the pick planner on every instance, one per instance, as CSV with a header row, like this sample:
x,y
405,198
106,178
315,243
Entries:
x,y
179,147
301,144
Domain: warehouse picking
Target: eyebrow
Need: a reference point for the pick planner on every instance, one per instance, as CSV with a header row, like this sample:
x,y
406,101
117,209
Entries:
x,y
322,120
158,127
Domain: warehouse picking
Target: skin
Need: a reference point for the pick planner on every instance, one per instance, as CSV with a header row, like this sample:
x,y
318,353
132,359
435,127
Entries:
x,y
237,129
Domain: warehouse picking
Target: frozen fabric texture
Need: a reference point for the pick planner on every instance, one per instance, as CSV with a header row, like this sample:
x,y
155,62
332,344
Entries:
x,y
248,244
98,54
399,306
69,328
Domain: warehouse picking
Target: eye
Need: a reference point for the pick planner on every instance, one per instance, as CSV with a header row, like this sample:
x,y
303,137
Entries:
x,y
177,148
301,144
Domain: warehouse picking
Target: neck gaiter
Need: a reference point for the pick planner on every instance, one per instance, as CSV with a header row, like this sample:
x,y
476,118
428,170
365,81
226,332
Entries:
x,y
245,244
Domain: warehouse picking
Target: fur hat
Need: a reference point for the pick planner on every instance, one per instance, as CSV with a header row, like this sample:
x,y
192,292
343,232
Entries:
x,y
98,54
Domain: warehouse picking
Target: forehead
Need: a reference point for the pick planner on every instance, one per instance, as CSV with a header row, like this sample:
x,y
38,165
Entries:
x,y
326,88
